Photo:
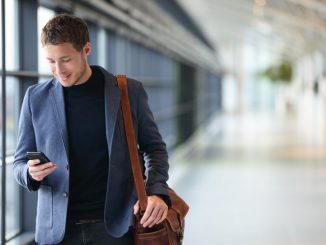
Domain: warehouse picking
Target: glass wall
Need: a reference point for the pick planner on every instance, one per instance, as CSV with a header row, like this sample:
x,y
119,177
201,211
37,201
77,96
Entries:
x,y
12,199
26,65
12,189
156,71
43,15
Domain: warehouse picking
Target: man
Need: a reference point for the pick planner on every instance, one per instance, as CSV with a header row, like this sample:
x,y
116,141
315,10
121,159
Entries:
x,y
86,193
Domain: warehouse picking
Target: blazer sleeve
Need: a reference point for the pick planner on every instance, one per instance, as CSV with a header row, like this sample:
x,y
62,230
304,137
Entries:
x,y
152,147
25,142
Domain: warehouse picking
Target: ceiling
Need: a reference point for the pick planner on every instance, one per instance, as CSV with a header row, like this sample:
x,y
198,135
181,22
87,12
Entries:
x,y
288,28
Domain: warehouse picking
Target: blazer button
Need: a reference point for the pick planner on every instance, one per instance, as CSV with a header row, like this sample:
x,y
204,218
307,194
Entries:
x,y
67,167
65,194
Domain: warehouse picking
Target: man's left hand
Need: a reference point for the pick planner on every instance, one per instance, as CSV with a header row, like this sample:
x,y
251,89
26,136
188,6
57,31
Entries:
x,y
155,212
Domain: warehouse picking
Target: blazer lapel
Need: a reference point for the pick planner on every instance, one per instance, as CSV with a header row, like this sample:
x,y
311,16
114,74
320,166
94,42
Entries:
x,y
112,104
59,110
112,95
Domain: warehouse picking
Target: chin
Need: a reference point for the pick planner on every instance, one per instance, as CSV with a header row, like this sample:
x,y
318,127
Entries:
x,y
65,84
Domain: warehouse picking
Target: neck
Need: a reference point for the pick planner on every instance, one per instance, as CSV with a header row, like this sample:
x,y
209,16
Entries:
x,y
88,72
86,75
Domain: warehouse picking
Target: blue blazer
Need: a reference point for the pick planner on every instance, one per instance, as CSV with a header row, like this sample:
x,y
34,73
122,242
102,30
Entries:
x,y
42,127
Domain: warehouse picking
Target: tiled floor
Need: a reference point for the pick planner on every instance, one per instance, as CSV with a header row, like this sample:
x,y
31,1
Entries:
x,y
254,180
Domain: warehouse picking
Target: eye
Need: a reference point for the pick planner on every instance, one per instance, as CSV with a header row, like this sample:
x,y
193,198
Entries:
x,y
66,60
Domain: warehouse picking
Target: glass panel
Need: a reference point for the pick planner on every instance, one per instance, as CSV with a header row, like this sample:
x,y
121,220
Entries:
x,y
12,190
11,36
102,45
0,202
12,202
12,61
43,15
11,58
0,36
0,84
12,114
0,116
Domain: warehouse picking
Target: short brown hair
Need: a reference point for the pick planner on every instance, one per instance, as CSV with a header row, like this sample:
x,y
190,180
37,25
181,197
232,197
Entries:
x,y
65,28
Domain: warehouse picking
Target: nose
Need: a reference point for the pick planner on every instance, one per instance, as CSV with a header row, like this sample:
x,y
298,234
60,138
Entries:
x,y
58,68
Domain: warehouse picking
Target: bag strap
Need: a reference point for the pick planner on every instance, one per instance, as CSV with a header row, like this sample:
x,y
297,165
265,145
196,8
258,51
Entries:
x,y
132,145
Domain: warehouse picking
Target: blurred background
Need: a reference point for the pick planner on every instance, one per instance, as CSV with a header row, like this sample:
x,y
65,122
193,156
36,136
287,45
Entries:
x,y
237,87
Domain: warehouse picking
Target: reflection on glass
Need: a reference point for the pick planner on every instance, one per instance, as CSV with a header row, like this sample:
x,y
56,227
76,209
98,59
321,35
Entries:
x,y
102,45
11,36
12,114
12,189
12,203
43,15
12,106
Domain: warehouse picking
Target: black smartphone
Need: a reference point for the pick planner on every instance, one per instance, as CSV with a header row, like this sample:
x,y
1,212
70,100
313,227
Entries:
x,y
31,155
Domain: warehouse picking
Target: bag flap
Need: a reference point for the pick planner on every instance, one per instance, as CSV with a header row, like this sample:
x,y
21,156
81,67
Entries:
x,y
178,204
173,220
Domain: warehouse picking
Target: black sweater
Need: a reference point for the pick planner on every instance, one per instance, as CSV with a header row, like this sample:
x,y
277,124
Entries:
x,y
88,148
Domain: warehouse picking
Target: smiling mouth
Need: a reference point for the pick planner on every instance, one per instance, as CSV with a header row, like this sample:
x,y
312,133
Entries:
x,y
64,78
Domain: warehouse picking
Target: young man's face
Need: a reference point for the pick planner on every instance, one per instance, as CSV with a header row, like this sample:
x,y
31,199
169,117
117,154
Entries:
x,y
67,64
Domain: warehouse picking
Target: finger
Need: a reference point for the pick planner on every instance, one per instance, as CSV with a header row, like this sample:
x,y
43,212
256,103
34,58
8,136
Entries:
x,y
151,219
43,172
147,213
45,166
165,214
34,162
156,218
40,167
160,216
40,175
136,208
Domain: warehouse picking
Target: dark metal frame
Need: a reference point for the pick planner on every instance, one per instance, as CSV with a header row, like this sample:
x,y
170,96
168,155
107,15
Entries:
x,y
3,138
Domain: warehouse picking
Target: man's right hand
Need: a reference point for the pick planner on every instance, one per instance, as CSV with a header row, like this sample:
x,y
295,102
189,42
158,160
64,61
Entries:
x,y
40,171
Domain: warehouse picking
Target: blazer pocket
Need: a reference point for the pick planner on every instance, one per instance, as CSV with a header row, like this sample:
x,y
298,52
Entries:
x,y
44,217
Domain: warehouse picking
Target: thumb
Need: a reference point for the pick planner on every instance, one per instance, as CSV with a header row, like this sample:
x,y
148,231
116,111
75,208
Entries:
x,y
136,208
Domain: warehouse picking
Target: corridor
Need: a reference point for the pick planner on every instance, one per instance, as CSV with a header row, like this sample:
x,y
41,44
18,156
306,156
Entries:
x,y
258,179
238,93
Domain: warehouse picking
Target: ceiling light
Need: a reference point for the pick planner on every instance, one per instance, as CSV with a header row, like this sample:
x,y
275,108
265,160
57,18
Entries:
x,y
260,3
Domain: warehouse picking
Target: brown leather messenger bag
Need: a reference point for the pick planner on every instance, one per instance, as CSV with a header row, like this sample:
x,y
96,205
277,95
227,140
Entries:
x,y
170,231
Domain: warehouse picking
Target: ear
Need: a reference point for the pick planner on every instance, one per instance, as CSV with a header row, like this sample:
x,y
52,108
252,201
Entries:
x,y
87,48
